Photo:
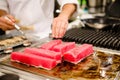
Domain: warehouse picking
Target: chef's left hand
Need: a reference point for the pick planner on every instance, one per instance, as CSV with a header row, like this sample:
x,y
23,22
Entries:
x,y
59,27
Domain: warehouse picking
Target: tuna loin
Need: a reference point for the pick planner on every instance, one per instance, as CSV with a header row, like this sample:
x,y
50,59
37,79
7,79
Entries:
x,y
51,44
77,54
45,53
33,60
64,47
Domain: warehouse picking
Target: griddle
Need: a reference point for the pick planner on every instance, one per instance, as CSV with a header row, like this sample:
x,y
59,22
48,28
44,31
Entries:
x,y
108,37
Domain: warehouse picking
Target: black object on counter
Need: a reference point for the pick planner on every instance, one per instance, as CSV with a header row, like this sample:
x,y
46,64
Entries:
x,y
9,77
2,32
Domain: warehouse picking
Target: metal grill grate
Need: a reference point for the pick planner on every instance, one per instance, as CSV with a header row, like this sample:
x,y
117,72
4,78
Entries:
x,y
107,38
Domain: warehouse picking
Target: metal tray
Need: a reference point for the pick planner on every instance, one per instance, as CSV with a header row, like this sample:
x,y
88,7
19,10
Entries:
x,y
7,45
88,69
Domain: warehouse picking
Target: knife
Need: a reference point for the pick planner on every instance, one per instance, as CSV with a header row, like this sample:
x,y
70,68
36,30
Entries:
x,y
15,25
25,43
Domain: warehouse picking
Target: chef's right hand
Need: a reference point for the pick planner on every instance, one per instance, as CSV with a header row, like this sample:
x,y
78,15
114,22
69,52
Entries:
x,y
6,24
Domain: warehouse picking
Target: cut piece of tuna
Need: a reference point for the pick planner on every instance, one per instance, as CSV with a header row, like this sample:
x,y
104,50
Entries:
x,y
51,44
33,60
64,47
77,54
45,53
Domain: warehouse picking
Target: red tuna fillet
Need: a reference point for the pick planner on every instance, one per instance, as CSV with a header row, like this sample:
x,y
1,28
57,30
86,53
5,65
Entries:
x,y
33,60
51,44
77,54
45,53
64,47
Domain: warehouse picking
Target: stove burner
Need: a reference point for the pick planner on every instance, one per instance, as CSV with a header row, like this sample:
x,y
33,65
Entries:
x,y
106,38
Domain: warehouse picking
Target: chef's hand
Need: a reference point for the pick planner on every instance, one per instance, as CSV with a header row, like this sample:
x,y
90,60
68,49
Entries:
x,y
6,24
59,27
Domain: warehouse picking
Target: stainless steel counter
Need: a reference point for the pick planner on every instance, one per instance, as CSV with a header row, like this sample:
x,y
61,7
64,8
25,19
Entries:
x,y
25,75
22,74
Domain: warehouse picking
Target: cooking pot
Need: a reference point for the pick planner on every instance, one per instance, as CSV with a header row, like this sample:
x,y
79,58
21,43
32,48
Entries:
x,y
100,22
96,6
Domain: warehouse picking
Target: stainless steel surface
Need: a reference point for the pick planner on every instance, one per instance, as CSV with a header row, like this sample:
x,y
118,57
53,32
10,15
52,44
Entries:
x,y
23,75
96,25
104,65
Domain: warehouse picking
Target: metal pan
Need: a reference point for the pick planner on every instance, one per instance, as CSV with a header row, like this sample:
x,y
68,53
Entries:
x,y
100,22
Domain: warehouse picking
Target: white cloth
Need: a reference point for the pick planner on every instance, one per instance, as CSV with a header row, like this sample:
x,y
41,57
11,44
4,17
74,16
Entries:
x,y
37,13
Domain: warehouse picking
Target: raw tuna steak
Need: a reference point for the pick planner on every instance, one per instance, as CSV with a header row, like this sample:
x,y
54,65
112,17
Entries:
x,y
33,60
45,53
77,54
51,44
64,47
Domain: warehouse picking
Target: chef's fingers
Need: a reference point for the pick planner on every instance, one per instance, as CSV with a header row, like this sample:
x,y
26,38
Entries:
x,y
62,25
5,27
5,21
53,28
11,18
57,28
6,24
63,29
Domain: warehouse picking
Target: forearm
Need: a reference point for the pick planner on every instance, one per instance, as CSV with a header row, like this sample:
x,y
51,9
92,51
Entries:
x,y
68,10
2,12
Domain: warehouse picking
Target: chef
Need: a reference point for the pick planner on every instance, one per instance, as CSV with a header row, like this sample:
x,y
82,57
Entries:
x,y
38,14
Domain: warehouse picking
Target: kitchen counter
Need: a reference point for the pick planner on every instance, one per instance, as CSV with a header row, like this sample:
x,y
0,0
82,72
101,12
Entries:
x,y
64,71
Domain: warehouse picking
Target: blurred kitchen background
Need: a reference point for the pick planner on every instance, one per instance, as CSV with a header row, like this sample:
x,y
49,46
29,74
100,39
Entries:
x,y
89,8
94,6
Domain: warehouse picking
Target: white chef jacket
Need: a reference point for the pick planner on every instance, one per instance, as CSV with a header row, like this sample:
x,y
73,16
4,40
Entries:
x,y
37,13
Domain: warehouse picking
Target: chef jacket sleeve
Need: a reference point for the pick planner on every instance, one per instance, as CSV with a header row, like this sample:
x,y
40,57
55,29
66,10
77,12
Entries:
x,y
4,5
63,2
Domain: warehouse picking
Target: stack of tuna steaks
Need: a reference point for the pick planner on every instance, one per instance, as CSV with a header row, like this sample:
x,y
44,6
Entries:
x,y
50,54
